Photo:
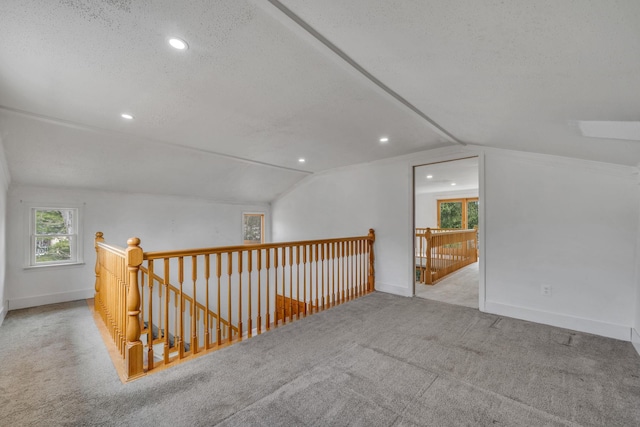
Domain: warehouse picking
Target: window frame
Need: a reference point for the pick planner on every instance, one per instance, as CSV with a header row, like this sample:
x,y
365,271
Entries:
x,y
465,213
262,227
75,239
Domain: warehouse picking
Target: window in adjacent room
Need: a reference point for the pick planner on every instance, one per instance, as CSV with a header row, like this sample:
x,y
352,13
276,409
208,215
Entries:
x,y
54,235
253,228
458,213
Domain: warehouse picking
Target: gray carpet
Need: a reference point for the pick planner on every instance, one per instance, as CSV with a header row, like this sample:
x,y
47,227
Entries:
x,y
381,360
459,287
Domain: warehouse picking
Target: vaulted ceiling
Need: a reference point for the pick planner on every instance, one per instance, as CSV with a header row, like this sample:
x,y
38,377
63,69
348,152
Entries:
x,y
264,83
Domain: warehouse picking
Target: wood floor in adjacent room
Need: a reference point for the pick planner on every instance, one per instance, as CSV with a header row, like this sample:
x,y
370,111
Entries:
x,y
459,287
380,360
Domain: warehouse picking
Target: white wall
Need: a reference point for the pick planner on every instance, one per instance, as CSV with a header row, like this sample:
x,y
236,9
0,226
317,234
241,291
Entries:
x,y
162,223
4,185
635,333
426,206
548,220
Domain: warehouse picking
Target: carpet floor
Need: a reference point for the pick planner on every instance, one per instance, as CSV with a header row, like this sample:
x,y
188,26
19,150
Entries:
x,y
380,360
459,287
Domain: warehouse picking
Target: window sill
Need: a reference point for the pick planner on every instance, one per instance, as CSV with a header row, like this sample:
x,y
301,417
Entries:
x,y
46,266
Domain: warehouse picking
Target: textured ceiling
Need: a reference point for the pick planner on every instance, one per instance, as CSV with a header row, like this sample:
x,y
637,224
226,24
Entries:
x,y
255,91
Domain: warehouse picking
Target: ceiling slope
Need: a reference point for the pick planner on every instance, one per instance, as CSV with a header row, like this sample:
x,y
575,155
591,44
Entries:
x,y
516,74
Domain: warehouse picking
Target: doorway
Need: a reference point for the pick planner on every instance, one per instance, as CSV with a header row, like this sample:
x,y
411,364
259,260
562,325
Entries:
x,y
446,209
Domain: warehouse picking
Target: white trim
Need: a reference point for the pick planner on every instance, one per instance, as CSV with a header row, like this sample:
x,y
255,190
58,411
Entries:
x,y
596,327
393,289
635,339
482,235
28,210
38,300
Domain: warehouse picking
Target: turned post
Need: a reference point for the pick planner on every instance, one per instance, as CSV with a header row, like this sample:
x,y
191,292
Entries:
x,y
371,285
96,304
427,268
133,355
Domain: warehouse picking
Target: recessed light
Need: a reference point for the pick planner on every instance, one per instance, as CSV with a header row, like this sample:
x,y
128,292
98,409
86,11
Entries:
x,y
384,139
429,176
178,43
302,160
126,116
453,183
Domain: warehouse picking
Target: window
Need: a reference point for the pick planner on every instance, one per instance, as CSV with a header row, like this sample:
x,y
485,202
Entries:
x,y
458,213
54,236
253,228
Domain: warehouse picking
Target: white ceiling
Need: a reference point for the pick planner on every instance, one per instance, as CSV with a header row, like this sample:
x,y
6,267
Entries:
x,y
463,173
229,117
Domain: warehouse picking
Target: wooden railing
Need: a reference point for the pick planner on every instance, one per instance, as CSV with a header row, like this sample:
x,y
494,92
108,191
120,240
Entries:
x,y
442,251
230,293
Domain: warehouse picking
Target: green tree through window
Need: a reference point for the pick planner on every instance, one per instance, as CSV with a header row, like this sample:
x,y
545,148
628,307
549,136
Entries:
x,y
54,235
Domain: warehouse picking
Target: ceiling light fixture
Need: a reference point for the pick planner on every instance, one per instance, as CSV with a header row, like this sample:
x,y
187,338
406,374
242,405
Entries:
x,y
178,43
126,116
453,183
384,139
429,176
302,160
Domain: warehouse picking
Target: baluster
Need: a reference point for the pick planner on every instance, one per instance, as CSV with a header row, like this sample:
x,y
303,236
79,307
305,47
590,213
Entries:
x,y
340,271
240,294
219,302
268,263
194,305
322,257
259,268
181,308
344,271
332,265
315,257
150,321
229,273
249,311
165,332
291,283
207,317
278,310
304,278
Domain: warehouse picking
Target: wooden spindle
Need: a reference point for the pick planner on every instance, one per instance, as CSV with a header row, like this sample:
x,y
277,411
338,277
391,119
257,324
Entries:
x,y
207,318
219,302
180,339
165,280
249,311
284,280
322,257
291,283
268,314
259,269
240,294
315,258
194,305
304,278
229,273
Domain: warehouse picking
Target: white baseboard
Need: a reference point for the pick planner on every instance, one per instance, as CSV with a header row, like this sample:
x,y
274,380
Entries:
x,y
17,303
395,290
635,339
580,324
3,312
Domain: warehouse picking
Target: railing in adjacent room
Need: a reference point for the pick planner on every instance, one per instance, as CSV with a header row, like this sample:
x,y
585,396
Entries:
x,y
440,252
164,307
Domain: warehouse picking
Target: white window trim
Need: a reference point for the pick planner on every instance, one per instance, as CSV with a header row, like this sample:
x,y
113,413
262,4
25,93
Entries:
x,y
29,233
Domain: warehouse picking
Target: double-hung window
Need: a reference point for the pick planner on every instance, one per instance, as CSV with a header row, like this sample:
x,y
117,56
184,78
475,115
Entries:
x,y
54,236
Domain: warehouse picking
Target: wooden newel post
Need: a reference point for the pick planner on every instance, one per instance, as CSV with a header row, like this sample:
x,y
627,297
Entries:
x,y
371,285
133,355
96,299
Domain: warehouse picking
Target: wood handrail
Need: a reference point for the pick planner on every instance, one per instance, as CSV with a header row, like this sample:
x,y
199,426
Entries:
x,y
112,248
244,248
